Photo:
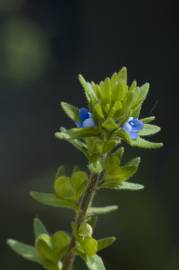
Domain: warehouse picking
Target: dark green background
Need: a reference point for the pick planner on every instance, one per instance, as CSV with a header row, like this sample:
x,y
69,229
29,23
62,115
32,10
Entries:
x,y
43,46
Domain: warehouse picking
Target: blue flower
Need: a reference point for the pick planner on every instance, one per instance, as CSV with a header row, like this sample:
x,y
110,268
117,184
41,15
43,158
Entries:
x,y
86,119
132,126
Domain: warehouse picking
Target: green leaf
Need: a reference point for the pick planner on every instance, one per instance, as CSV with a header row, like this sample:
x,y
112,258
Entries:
x,y
119,94
26,251
92,220
119,152
43,245
101,210
114,173
39,227
128,170
98,110
129,186
147,120
71,111
60,241
109,124
117,103
63,135
90,94
78,178
75,133
89,246
133,86
106,91
149,130
95,263
144,89
142,143
50,199
122,75
141,93
105,242
60,171
63,187
79,182
109,145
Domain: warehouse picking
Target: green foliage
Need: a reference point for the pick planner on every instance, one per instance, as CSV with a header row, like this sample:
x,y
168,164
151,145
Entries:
x,y
51,199
45,249
94,263
26,251
92,220
63,187
142,143
88,246
112,104
60,242
71,111
60,171
39,227
101,210
105,242
149,130
71,188
51,249
147,120
127,186
115,173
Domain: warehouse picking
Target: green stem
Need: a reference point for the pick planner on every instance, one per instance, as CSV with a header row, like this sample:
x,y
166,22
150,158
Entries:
x,y
85,203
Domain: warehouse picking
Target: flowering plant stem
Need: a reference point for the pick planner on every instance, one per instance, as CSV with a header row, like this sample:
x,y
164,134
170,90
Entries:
x,y
80,216
111,119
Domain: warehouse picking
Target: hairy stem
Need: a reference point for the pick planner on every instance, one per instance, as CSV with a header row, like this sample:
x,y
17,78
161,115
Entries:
x,y
85,203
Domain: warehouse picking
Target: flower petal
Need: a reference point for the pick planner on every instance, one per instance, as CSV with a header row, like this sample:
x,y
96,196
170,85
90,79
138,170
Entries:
x,y
137,124
88,123
127,127
84,114
133,135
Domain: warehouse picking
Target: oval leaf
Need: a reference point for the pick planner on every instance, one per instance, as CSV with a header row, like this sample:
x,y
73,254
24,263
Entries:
x,y
51,200
129,186
101,210
26,251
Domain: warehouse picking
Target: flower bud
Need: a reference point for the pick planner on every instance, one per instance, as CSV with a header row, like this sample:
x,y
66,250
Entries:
x,y
85,230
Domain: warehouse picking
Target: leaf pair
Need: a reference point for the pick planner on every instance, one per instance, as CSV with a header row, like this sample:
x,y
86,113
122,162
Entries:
x,y
71,188
51,249
67,190
48,249
115,173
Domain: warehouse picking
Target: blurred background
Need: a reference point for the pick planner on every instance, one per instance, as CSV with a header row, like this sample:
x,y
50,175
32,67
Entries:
x,y
43,47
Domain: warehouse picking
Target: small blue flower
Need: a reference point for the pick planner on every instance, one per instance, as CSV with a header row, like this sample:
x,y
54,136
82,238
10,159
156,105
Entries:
x,y
132,126
86,119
